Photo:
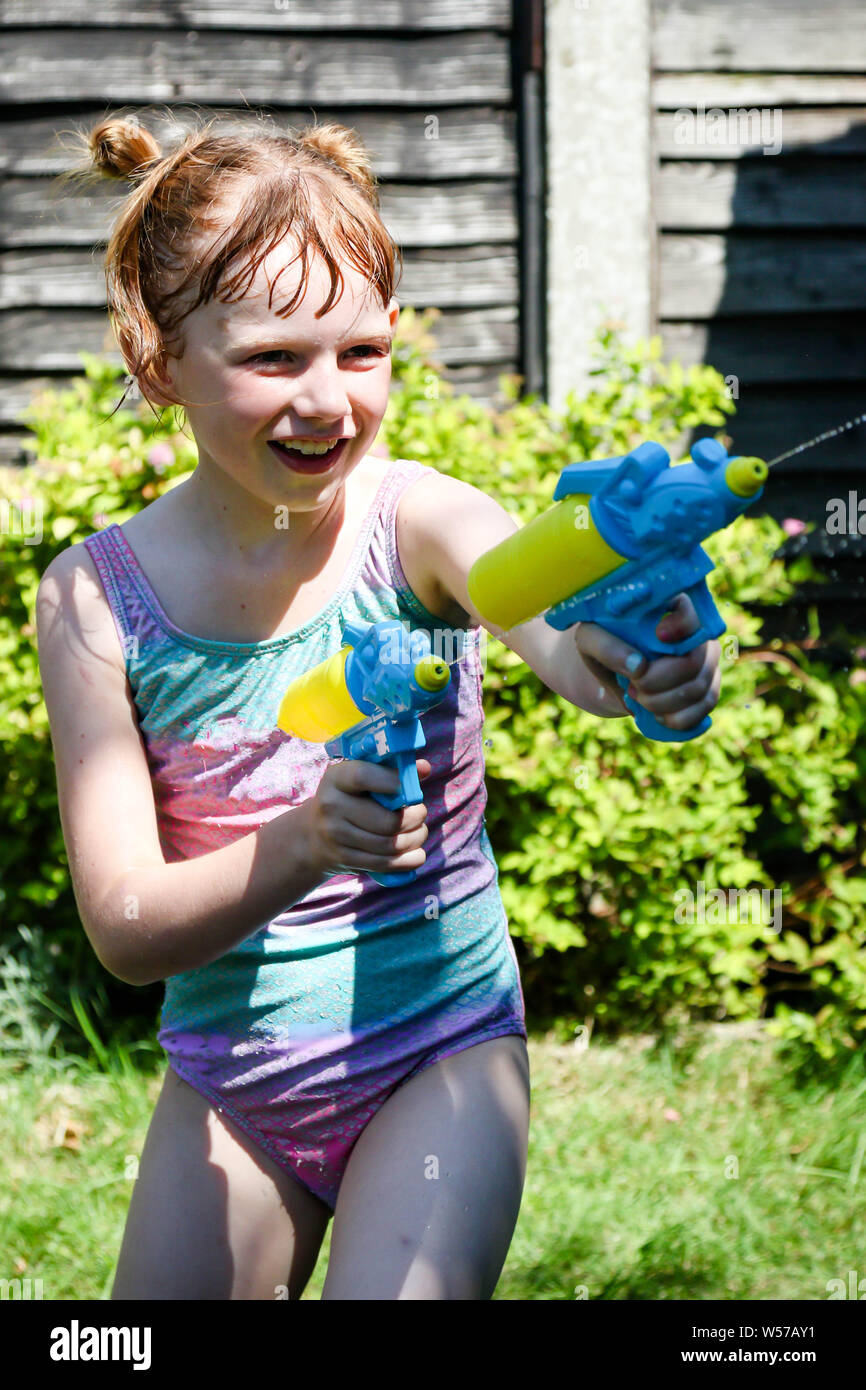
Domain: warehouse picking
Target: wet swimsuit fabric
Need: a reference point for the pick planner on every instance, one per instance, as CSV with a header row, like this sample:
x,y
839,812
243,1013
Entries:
x,y
302,1031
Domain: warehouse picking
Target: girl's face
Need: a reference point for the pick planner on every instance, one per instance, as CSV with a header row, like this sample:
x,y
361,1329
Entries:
x,y
256,377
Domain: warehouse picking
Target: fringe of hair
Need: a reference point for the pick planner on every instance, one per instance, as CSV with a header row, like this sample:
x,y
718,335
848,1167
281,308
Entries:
x,y
317,184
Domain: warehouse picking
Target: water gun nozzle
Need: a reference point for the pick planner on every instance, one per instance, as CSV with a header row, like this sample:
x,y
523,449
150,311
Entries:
x,y
432,673
746,476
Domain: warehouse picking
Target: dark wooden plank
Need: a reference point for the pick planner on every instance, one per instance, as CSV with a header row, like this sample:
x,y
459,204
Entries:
x,y
264,14
448,277
49,340
772,419
792,624
673,90
17,393
703,275
139,65
821,545
42,212
14,445
54,278
780,193
36,341
465,141
476,337
481,382
787,348
804,497
773,35
837,130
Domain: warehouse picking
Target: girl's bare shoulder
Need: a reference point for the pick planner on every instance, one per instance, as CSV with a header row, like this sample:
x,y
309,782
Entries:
x,y
414,504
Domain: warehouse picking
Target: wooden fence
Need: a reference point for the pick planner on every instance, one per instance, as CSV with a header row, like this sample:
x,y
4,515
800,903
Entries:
x,y
429,87
760,198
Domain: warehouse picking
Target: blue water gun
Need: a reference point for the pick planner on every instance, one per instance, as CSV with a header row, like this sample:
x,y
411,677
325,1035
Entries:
x,y
622,541
365,702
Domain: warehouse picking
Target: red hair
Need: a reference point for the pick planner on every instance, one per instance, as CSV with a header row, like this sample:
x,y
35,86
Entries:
x,y
318,185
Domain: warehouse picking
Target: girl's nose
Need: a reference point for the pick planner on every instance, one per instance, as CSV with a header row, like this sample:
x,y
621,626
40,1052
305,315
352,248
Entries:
x,y
319,395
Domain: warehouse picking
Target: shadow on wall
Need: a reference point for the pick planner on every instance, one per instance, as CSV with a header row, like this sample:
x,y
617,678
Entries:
x,y
790,333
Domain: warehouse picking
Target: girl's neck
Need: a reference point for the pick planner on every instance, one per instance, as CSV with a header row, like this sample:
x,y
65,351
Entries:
x,y
239,530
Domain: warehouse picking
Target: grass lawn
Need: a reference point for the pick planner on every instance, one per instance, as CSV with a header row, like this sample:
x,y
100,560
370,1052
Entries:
x,y
694,1171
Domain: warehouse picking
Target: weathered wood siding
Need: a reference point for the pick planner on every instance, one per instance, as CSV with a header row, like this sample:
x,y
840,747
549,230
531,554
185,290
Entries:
x,y
762,256
397,71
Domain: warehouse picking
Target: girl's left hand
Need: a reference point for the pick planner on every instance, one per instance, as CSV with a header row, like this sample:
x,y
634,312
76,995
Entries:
x,y
678,690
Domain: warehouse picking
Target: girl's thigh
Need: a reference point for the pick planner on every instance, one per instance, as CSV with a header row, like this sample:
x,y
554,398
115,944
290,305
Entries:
x,y
212,1216
430,1196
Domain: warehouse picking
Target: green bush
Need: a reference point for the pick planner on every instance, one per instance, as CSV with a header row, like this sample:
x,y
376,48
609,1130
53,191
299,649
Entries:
x,y
598,832
93,466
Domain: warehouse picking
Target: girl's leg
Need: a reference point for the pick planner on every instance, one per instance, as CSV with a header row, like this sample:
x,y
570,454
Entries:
x,y
212,1216
430,1196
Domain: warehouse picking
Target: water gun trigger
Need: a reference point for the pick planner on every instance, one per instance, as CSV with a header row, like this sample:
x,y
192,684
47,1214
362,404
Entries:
x,y
640,631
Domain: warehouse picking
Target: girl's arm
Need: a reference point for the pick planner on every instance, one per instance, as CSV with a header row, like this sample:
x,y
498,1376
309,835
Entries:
x,y
145,919
446,524
450,524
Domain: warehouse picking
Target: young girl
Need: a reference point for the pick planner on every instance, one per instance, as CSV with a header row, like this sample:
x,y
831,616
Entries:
x,y
334,1046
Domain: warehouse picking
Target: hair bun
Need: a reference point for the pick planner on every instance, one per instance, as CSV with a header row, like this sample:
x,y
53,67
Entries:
x,y
122,148
345,149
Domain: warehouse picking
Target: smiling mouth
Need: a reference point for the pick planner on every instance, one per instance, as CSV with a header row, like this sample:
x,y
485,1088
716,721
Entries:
x,y
301,462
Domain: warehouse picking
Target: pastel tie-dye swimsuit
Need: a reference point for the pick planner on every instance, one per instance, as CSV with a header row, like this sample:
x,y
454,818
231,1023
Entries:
x,y
300,1033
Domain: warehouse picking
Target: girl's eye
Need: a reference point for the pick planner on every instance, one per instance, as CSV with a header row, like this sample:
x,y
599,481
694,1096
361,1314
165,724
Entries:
x,y
280,352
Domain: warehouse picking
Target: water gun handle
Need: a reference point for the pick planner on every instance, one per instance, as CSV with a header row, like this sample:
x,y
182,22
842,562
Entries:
x,y
378,745
650,726
640,633
410,794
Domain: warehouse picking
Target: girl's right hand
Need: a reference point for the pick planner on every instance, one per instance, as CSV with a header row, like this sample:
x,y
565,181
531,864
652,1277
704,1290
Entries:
x,y
350,831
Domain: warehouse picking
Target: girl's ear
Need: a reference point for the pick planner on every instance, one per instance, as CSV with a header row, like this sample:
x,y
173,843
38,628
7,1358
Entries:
x,y
393,313
151,392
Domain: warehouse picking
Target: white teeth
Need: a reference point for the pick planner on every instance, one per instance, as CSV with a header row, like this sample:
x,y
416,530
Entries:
x,y
323,448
